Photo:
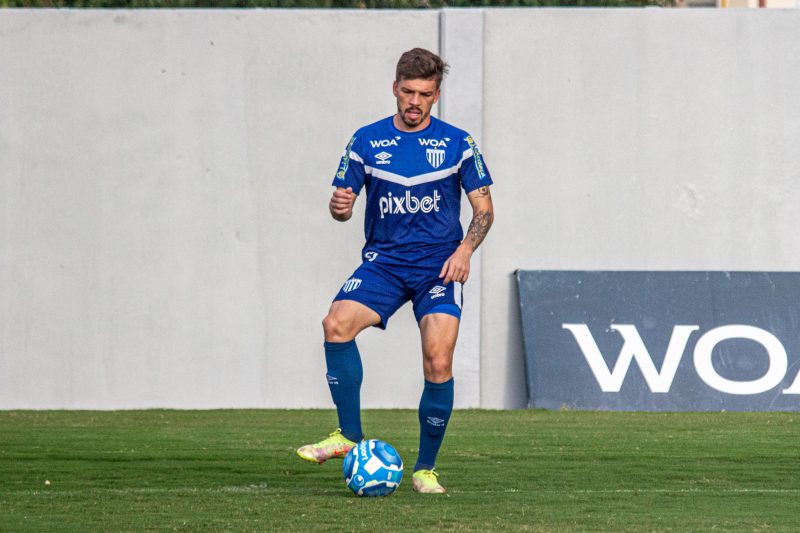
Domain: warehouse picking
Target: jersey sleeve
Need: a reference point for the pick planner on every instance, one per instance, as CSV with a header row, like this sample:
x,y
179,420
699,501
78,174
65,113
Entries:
x,y
473,172
351,166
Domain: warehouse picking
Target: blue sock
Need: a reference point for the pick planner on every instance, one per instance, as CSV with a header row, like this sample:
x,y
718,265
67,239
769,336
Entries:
x,y
435,407
344,379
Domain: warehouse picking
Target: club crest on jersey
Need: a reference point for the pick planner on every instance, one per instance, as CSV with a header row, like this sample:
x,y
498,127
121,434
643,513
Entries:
x,y
351,284
435,157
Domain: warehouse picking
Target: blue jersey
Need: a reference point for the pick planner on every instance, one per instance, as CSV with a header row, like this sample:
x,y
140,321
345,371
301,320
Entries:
x,y
413,182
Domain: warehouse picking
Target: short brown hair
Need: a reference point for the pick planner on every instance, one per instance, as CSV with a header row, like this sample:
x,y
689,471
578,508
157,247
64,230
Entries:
x,y
419,63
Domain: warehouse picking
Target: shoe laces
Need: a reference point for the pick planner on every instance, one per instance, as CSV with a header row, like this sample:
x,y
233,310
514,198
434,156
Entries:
x,y
431,474
331,439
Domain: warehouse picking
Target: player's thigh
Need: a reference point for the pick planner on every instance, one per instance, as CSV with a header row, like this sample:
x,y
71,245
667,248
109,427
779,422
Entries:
x,y
375,288
346,319
433,296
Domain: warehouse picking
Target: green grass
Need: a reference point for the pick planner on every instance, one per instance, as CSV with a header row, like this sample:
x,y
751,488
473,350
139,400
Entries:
x,y
504,471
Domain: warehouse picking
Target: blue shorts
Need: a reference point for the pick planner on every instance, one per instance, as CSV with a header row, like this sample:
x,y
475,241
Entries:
x,y
385,289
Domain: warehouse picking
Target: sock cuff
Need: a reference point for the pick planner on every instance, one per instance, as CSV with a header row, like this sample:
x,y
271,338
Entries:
x,y
338,346
439,386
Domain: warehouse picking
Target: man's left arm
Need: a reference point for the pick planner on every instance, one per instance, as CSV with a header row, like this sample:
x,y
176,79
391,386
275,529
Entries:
x,y
456,268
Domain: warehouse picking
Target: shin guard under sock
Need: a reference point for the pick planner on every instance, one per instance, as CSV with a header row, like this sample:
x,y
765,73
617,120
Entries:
x,y
344,380
435,408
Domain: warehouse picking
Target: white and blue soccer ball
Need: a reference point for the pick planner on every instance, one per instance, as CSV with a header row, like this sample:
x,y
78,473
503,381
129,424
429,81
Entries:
x,y
373,468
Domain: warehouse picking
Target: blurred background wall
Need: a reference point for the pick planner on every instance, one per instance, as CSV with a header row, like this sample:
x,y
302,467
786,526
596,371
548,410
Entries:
x,y
164,178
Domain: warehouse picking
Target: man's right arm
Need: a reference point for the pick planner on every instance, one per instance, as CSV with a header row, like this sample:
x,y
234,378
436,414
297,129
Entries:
x,y
341,204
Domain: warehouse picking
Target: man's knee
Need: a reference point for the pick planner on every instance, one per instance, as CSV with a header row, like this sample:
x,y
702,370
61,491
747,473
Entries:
x,y
336,329
438,369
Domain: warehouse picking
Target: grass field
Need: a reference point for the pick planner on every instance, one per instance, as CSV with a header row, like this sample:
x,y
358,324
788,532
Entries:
x,y
504,470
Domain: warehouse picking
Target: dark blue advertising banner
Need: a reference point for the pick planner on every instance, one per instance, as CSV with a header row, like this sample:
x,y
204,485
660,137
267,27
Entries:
x,y
662,341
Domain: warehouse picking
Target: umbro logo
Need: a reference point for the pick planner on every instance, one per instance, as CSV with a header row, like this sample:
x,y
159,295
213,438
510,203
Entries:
x,y
437,291
383,158
351,284
436,422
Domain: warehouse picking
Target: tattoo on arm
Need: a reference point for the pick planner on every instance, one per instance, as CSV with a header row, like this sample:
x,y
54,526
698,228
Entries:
x,y
483,192
479,227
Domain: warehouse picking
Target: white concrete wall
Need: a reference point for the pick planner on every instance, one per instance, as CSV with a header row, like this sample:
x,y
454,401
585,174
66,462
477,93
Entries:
x,y
164,236
164,179
461,43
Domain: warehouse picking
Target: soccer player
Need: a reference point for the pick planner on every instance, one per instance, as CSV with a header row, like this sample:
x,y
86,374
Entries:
x,y
413,167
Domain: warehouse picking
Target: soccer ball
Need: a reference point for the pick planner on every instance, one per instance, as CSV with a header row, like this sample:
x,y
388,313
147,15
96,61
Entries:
x,y
373,468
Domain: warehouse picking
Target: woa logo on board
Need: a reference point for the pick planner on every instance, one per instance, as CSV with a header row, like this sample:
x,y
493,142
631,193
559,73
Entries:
x,y
681,341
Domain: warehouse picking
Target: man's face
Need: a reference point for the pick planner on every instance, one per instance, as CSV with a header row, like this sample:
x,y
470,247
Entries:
x,y
415,98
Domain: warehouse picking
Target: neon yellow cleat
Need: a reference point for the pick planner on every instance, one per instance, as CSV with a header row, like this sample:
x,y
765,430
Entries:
x,y
425,482
335,446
